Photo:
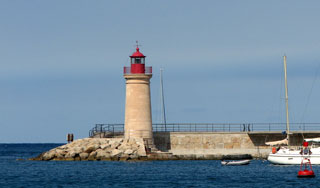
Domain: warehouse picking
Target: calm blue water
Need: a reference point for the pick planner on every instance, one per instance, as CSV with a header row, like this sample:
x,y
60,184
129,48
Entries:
x,y
259,173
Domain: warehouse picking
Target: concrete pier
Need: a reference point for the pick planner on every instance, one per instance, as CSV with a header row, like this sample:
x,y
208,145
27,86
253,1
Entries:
x,y
217,145
214,145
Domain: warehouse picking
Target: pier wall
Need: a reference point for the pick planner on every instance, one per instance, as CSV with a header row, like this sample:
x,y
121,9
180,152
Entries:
x,y
206,144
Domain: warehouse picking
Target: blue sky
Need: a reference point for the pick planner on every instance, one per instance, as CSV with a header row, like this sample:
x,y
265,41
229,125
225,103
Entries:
x,y
61,62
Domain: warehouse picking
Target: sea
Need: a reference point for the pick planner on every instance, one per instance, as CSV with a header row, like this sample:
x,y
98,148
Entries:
x,y
17,171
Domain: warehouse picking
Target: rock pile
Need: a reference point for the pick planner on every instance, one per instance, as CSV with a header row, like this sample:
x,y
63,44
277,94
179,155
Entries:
x,y
92,149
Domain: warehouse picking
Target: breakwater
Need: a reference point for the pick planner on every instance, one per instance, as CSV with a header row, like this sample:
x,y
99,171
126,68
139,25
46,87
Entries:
x,y
174,146
119,149
219,145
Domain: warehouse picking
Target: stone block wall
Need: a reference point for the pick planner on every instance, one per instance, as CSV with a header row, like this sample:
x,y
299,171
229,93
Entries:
x,y
214,143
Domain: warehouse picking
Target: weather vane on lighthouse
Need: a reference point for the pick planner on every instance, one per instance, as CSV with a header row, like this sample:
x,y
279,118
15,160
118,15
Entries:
x,y
137,44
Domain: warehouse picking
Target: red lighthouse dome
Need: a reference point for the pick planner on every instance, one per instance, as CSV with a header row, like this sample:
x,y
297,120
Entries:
x,y
137,61
137,53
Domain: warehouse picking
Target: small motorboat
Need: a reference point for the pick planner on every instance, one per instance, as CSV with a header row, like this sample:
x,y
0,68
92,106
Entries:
x,y
235,163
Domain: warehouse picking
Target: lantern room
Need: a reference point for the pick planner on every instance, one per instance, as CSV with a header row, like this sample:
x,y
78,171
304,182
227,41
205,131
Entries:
x,y
137,62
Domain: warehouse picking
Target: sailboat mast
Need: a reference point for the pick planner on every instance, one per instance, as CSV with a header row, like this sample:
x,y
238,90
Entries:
x,y
163,109
286,88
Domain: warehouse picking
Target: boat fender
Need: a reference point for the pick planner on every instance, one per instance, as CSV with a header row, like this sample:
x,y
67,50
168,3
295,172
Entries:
x,y
274,150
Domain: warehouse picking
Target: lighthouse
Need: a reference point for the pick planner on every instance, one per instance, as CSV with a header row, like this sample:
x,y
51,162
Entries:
x,y
138,120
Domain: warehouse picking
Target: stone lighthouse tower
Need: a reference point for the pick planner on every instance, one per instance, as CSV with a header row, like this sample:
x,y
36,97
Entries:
x,y
138,120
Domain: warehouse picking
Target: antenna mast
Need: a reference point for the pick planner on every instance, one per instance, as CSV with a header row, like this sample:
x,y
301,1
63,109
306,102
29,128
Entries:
x,y
163,109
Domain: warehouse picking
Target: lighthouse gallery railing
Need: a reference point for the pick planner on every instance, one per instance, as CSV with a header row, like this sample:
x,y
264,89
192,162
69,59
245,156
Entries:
x,y
127,70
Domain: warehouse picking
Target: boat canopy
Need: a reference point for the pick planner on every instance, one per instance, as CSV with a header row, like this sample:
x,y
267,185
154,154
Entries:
x,y
277,143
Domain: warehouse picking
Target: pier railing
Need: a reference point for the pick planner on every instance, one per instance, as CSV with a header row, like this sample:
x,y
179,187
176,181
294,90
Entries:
x,y
106,130
111,130
234,127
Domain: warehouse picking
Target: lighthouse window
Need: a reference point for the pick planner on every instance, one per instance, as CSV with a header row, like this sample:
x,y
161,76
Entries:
x,y
138,60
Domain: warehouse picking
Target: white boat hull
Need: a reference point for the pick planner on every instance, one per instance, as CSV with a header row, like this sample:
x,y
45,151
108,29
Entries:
x,y
293,157
235,163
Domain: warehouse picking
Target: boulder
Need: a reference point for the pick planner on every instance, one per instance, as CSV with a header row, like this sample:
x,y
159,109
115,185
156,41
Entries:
x,y
116,152
104,141
77,149
106,156
71,154
128,151
105,146
63,147
134,146
124,157
115,145
48,155
92,156
141,152
60,154
133,156
92,147
102,154
124,146
84,156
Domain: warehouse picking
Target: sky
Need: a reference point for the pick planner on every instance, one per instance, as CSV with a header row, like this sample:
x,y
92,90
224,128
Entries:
x,y
61,62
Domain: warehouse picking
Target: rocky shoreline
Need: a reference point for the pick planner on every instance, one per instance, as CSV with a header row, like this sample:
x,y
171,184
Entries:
x,y
94,149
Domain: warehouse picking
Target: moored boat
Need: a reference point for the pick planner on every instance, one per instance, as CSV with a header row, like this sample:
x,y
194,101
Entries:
x,y
287,156
235,163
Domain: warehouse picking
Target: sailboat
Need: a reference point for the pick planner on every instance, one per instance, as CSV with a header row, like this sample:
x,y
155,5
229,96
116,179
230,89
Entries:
x,y
285,155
